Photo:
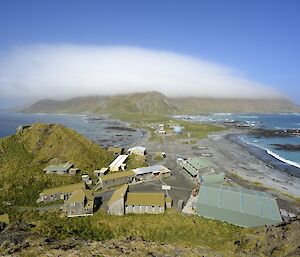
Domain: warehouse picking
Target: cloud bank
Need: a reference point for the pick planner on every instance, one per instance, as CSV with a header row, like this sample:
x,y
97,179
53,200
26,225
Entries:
x,y
60,71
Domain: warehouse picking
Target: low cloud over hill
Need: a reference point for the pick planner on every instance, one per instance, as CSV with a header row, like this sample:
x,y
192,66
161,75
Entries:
x,y
59,71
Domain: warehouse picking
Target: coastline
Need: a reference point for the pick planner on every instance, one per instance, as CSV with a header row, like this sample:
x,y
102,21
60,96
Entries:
x,y
251,164
101,129
267,156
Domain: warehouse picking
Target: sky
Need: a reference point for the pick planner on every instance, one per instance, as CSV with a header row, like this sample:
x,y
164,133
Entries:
x,y
58,49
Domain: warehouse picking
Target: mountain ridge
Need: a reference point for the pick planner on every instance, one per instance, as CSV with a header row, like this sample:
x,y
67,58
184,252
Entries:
x,y
157,103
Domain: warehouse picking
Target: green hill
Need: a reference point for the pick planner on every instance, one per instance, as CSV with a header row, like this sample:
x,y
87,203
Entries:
x,y
155,103
24,155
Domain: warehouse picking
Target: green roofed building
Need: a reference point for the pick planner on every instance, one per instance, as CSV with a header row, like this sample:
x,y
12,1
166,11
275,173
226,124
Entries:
x,y
80,203
59,168
142,202
59,193
116,179
210,179
238,206
196,164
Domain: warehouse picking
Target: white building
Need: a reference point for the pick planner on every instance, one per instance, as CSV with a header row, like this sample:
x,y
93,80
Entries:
x,y
118,163
137,150
155,170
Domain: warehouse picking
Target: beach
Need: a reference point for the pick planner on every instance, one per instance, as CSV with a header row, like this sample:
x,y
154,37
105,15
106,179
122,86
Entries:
x,y
240,165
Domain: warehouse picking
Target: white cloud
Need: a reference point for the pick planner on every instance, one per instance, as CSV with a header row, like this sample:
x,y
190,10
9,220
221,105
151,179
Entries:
x,y
59,71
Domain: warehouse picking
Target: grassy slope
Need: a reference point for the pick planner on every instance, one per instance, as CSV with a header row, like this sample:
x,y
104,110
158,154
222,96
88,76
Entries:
x,y
24,155
188,231
176,229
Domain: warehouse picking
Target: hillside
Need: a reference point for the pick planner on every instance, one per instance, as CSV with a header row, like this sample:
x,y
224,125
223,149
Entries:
x,y
155,103
24,155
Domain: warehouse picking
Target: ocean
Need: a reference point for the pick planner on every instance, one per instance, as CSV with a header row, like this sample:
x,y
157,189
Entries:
x,y
103,131
280,121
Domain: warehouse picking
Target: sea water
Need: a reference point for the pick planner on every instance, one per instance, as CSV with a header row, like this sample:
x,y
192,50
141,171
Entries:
x,y
101,130
280,121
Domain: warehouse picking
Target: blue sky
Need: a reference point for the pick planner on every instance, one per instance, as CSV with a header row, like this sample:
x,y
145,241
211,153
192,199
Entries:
x,y
261,39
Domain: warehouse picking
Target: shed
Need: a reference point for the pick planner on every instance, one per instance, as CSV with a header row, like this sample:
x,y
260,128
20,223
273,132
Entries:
x,y
73,171
238,206
137,150
118,163
60,168
101,172
169,202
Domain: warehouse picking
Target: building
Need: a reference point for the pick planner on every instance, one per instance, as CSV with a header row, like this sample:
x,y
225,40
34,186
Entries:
x,y
4,221
73,171
161,129
101,172
155,170
118,163
216,178
137,150
58,169
116,150
141,202
22,127
169,202
116,179
177,130
126,202
116,204
80,203
237,205
197,165
59,193
86,179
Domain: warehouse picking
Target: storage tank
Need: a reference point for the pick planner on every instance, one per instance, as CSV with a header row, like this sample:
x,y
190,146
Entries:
x,y
177,130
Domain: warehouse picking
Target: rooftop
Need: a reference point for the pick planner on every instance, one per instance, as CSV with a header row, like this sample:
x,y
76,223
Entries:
x,y
79,196
200,163
118,194
117,175
139,148
190,169
64,189
151,169
147,199
59,167
118,161
238,199
212,178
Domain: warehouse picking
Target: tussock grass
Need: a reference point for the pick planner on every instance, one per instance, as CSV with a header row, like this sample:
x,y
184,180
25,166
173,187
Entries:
x,y
172,228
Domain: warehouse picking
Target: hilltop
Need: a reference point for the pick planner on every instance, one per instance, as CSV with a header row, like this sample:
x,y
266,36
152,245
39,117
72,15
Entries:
x,y
156,103
24,155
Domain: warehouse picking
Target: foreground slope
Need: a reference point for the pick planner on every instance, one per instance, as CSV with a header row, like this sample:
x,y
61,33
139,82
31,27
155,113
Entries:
x,y
24,155
155,103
